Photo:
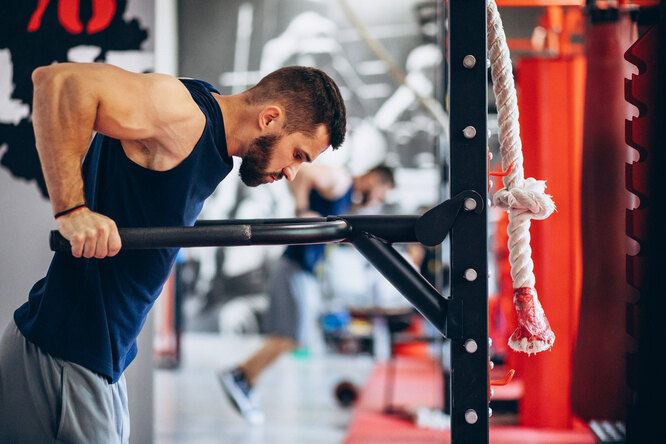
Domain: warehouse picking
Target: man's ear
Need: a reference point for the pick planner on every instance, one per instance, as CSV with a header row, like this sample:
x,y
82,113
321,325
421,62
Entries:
x,y
271,117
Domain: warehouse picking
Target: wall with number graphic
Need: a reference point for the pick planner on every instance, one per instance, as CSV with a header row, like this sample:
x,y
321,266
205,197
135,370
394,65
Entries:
x,y
41,32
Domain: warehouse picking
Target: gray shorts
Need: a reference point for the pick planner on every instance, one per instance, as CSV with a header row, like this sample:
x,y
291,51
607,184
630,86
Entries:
x,y
294,301
44,399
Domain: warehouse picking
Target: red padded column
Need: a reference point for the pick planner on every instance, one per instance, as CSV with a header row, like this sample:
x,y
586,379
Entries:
x,y
550,99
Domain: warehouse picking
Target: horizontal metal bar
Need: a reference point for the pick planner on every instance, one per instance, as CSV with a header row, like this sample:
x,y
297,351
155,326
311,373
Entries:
x,y
273,221
282,231
391,228
226,234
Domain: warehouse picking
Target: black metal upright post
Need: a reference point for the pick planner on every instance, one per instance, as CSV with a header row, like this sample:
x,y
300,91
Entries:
x,y
467,320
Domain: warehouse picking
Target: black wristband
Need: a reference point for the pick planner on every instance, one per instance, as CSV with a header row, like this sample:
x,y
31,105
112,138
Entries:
x,y
69,210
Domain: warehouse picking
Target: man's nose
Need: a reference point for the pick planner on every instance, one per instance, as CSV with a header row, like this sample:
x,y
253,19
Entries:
x,y
291,171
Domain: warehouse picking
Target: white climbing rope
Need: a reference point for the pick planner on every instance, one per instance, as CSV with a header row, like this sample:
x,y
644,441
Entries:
x,y
524,199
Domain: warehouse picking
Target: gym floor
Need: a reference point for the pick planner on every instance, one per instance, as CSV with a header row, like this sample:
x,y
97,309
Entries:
x,y
295,394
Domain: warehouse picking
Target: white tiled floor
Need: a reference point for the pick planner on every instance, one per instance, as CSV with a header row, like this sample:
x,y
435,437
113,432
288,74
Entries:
x,y
296,395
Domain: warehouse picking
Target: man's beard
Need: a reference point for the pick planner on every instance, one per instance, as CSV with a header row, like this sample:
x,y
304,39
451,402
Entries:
x,y
253,167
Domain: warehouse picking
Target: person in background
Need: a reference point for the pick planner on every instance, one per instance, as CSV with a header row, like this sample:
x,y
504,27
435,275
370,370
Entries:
x,y
293,290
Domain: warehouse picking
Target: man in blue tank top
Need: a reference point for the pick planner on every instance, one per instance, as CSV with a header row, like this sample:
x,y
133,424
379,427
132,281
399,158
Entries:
x,y
293,289
161,146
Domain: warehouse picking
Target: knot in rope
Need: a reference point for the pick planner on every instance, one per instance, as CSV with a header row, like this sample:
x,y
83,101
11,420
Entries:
x,y
529,196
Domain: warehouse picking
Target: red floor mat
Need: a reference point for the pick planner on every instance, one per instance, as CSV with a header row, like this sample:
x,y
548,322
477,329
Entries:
x,y
418,383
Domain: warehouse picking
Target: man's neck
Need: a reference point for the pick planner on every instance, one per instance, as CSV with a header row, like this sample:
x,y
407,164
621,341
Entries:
x,y
235,114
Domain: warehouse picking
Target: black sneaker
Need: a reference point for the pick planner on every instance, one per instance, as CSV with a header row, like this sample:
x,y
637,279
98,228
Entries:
x,y
238,390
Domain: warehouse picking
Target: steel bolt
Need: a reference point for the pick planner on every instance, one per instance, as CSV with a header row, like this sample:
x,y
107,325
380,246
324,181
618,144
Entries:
x,y
469,61
471,417
470,204
470,275
470,346
469,132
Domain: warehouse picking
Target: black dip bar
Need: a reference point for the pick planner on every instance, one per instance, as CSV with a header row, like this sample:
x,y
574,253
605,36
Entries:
x,y
373,236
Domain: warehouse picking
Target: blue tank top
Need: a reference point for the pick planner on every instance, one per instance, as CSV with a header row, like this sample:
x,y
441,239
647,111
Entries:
x,y
90,311
307,256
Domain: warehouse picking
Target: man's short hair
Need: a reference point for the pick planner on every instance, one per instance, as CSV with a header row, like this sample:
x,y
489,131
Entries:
x,y
385,174
309,96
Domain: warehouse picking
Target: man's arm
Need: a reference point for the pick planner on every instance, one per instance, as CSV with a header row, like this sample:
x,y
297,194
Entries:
x,y
331,183
71,101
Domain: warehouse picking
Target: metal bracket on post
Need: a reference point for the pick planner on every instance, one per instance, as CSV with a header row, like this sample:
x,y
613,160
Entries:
x,y
467,315
435,224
